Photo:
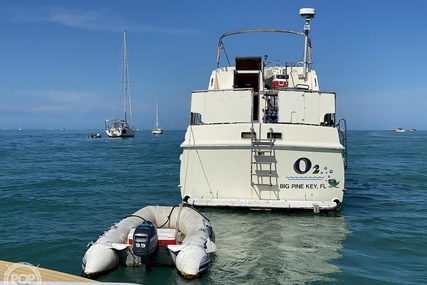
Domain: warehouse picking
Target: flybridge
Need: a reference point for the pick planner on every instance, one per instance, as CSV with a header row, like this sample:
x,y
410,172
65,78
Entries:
x,y
307,13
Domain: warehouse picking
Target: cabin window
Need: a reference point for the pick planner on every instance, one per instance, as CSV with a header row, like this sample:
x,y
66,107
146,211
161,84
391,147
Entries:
x,y
274,135
282,76
247,135
328,120
196,119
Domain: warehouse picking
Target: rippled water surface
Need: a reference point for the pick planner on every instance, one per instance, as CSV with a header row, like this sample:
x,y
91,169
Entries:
x,y
59,190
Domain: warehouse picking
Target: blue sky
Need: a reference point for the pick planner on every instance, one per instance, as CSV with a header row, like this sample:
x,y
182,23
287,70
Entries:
x,y
60,59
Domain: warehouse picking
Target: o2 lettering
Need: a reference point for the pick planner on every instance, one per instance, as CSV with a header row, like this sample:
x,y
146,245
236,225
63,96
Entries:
x,y
316,169
303,165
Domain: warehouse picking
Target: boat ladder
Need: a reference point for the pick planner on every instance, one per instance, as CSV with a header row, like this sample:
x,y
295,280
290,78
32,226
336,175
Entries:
x,y
263,162
342,131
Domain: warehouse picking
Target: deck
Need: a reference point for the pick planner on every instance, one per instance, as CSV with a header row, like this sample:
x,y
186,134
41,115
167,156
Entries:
x,y
26,273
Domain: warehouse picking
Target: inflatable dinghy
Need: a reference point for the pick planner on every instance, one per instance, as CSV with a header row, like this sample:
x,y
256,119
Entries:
x,y
177,236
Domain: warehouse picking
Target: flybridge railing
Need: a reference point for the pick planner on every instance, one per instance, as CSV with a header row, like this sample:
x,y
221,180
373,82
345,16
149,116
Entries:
x,y
221,46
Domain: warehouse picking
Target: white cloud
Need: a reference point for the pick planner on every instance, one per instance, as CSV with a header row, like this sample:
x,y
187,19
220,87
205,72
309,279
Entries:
x,y
100,20
38,102
90,20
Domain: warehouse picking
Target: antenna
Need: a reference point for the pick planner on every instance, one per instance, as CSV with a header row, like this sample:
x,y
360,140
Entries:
x,y
307,14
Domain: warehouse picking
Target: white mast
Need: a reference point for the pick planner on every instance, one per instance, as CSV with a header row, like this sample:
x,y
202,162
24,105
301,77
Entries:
x,y
124,74
157,110
126,85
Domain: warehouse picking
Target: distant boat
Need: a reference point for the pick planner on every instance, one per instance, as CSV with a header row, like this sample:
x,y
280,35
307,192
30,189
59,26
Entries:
x,y
398,130
157,130
119,128
94,136
413,129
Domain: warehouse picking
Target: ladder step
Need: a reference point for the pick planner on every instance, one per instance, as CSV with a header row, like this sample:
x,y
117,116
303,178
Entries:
x,y
262,184
264,158
263,146
262,143
264,173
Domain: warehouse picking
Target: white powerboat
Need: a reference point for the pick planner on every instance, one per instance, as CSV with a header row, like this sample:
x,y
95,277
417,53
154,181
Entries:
x,y
399,130
154,236
120,128
264,136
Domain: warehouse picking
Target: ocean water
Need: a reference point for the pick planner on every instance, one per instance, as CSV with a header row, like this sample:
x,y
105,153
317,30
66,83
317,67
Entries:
x,y
60,190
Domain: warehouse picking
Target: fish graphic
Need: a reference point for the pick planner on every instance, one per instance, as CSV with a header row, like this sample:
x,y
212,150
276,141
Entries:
x,y
333,183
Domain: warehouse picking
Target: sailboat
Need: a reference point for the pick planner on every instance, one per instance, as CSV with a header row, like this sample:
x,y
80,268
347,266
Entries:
x,y
119,128
157,130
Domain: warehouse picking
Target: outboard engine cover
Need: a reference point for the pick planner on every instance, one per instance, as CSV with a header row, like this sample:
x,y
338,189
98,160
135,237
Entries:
x,y
145,243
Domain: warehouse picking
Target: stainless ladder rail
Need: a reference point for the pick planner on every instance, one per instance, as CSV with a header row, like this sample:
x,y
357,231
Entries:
x,y
262,153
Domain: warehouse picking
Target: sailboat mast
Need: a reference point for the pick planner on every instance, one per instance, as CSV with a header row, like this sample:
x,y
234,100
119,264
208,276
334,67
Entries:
x,y
125,75
157,110
126,82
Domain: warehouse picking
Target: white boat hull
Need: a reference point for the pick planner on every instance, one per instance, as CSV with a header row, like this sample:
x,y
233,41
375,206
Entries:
x,y
190,257
120,132
157,131
307,169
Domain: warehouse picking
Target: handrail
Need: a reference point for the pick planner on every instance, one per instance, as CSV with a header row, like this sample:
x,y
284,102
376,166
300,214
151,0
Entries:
x,y
253,30
342,131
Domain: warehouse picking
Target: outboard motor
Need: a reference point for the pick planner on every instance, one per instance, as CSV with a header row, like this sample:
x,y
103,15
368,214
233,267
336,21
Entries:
x,y
145,243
